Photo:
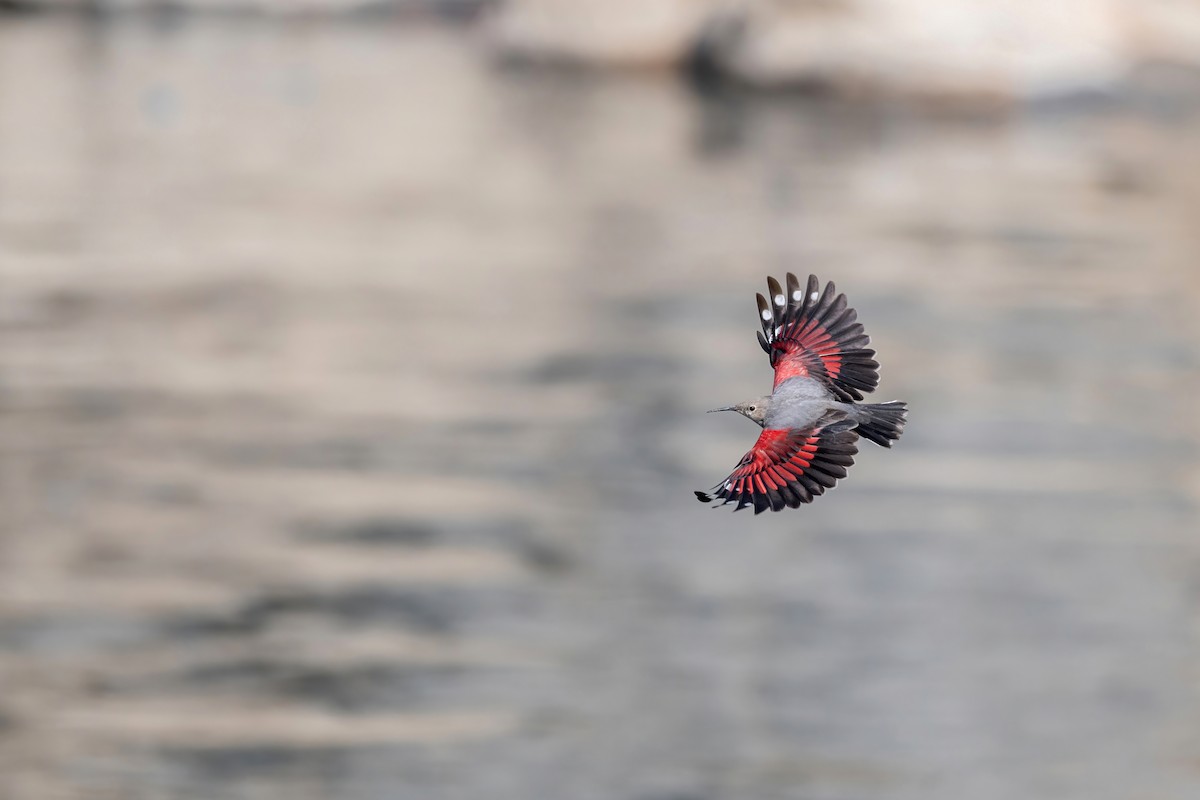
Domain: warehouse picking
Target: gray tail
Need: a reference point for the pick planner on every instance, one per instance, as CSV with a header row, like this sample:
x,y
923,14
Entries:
x,y
886,422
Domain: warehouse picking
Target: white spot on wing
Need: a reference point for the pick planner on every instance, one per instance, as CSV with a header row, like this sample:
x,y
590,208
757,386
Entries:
x,y
766,314
780,300
797,295
814,295
728,484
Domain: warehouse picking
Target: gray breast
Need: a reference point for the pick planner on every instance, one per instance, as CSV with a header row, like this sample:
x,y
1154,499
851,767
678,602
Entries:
x,y
797,403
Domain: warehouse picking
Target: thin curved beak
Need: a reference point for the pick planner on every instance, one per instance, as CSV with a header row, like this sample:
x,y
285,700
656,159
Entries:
x,y
725,408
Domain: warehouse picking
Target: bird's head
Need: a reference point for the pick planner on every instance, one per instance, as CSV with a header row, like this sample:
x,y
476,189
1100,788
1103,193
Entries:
x,y
751,409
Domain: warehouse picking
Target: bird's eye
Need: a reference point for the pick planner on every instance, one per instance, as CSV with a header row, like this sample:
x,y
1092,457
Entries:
x,y
754,408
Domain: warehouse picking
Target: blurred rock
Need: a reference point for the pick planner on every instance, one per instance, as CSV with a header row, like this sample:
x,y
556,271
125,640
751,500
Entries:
x,y
643,33
990,50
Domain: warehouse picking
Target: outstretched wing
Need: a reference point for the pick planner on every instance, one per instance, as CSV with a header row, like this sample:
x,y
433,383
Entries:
x,y
807,332
788,467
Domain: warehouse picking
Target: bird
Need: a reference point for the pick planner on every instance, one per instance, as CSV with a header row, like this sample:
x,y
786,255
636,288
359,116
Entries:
x,y
813,418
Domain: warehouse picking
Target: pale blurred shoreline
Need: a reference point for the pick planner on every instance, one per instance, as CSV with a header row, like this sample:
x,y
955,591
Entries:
x,y
937,53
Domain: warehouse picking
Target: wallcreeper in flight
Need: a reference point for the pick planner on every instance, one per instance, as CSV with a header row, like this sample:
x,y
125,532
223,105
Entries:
x,y
812,419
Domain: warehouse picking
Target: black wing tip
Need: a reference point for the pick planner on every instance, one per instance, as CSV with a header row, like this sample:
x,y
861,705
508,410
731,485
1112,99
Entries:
x,y
762,342
766,316
759,503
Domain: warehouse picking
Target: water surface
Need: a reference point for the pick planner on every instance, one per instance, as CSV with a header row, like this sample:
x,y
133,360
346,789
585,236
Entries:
x,y
351,400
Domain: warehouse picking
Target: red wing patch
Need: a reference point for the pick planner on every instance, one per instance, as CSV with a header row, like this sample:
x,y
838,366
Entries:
x,y
787,467
807,332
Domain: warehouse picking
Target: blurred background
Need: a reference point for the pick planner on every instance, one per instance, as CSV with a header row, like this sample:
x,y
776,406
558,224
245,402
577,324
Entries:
x,y
353,365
